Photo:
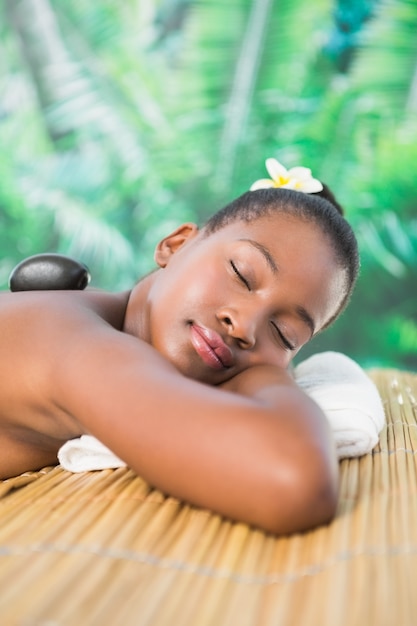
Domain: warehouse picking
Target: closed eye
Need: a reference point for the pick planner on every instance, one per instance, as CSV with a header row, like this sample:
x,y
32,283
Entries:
x,y
287,344
240,276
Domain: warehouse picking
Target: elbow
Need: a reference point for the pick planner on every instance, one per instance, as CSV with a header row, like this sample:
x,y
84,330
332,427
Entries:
x,y
321,501
303,497
322,493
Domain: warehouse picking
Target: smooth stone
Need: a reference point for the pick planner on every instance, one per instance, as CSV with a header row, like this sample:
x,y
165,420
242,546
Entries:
x,y
49,271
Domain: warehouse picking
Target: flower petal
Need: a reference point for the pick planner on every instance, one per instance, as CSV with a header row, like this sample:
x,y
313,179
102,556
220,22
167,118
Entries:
x,y
310,186
275,169
262,183
300,173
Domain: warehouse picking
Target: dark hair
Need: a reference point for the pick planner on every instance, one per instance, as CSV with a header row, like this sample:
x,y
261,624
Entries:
x,y
328,194
321,208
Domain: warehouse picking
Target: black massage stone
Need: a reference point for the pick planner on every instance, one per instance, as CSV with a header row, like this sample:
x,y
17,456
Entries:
x,y
49,272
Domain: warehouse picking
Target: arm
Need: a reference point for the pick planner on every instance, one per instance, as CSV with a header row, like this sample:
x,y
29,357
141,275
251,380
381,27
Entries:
x,y
258,450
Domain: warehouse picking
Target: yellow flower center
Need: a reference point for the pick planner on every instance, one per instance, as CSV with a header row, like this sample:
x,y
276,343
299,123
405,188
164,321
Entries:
x,y
281,181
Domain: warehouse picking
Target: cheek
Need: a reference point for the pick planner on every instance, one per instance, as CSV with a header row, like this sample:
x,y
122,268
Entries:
x,y
203,287
182,295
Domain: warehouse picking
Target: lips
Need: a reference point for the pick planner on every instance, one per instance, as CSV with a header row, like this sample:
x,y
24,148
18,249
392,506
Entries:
x,y
210,347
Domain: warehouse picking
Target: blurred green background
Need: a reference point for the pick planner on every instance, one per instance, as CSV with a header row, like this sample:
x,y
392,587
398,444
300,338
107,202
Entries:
x,y
121,119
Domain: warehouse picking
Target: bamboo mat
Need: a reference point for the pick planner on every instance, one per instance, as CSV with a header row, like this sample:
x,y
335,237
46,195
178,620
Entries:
x,y
102,548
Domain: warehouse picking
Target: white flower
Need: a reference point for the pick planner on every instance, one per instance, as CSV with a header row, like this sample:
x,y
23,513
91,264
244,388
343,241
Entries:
x,y
298,178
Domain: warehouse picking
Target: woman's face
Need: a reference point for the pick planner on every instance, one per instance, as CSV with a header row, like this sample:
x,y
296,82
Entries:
x,y
250,293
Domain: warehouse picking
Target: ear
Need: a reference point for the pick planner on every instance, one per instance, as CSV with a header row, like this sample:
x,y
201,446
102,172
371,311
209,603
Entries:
x,y
173,242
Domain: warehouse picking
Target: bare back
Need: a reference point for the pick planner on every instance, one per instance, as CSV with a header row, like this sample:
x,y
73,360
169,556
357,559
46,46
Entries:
x,y
35,329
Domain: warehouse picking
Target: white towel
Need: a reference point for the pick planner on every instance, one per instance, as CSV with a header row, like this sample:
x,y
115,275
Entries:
x,y
346,395
87,453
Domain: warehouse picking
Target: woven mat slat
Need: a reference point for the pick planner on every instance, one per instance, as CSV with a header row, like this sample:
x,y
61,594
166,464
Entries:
x,y
10,484
103,548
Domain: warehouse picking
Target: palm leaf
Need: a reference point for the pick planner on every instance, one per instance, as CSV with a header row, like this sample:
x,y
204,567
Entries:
x,y
228,83
386,66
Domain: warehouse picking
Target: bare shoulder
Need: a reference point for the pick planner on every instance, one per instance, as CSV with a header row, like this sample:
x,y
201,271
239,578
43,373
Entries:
x,y
38,331
62,305
38,327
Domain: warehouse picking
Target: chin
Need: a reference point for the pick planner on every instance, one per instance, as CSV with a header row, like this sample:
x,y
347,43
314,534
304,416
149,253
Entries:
x,y
195,373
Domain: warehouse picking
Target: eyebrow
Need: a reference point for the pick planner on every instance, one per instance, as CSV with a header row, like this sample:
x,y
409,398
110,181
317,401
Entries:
x,y
304,315
301,312
265,252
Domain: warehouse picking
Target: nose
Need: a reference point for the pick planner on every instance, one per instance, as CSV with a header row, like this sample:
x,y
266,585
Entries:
x,y
241,326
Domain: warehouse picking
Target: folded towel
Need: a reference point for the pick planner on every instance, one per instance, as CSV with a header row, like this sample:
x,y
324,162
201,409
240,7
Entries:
x,y
347,397
85,454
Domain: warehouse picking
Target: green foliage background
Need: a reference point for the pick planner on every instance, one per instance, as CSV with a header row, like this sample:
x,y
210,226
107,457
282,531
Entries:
x,y
119,120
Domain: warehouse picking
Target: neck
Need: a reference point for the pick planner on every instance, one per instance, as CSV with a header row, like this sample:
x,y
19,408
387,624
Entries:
x,y
136,320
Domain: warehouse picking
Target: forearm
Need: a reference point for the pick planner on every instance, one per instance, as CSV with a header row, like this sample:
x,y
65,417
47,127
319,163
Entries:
x,y
269,461
292,440
256,381
300,423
